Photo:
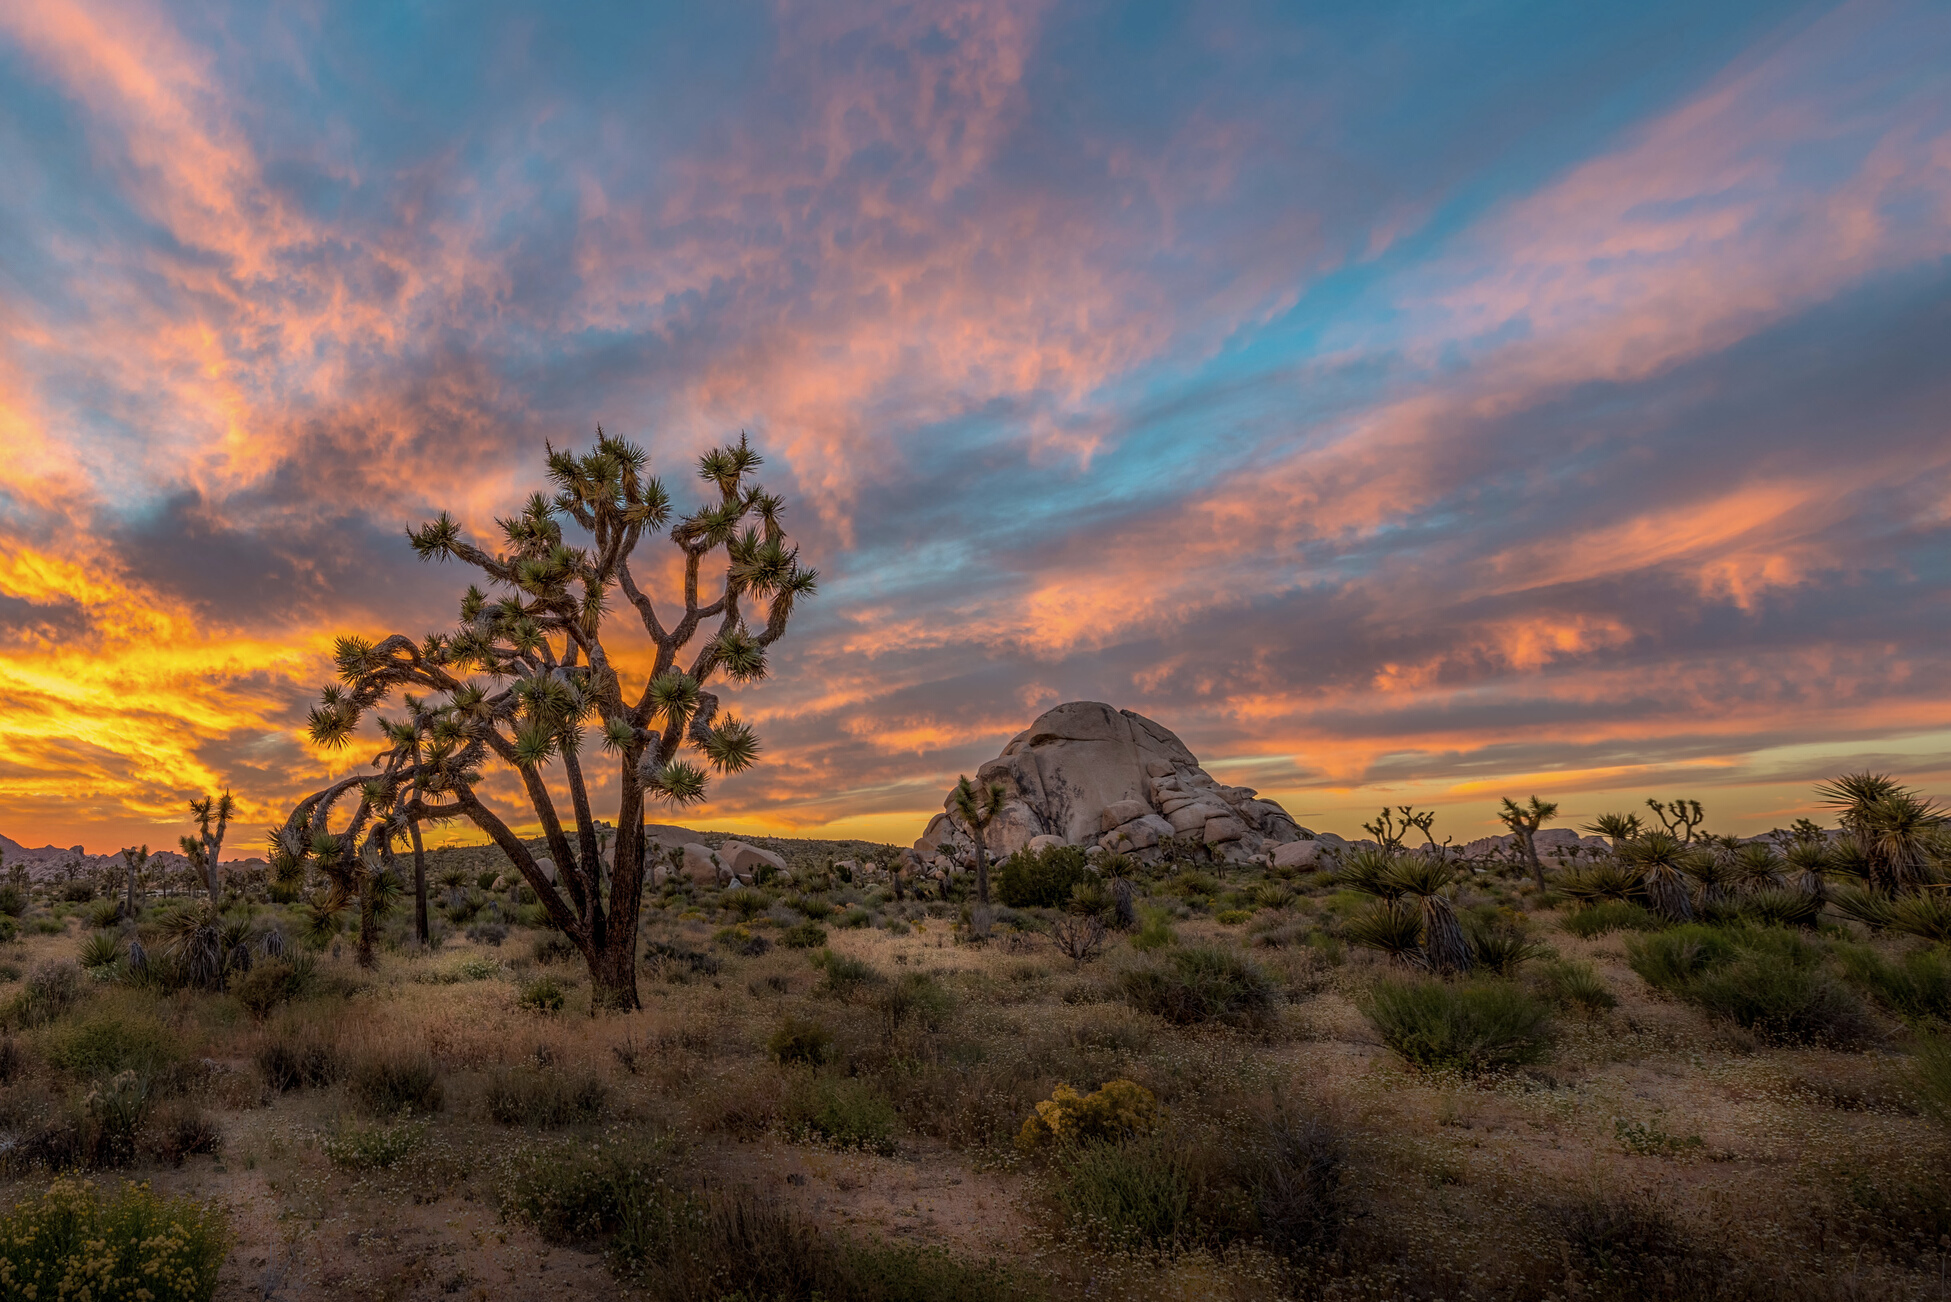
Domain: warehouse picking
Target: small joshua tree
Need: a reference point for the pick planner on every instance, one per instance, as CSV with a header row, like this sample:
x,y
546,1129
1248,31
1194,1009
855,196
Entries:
x,y
1524,822
977,807
1660,860
1895,827
1680,818
1617,828
136,859
526,681
203,850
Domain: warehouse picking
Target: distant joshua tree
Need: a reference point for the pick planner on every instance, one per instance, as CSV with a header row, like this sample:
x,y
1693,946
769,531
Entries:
x,y
552,683
204,850
1524,822
977,807
136,860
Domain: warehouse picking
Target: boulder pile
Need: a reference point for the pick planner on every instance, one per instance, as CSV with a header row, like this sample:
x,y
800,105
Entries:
x,y
1090,775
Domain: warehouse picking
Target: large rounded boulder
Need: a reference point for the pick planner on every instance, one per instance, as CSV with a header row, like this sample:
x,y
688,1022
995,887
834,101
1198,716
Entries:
x,y
1091,774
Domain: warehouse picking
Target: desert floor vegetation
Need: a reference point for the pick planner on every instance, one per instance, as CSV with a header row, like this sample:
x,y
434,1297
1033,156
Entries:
x,y
1257,1087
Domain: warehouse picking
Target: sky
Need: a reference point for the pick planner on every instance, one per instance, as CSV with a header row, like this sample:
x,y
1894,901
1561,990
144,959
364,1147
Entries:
x,y
1403,402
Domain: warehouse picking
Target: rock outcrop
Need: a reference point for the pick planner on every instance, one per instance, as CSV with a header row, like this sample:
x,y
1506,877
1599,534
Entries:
x,y
1087,774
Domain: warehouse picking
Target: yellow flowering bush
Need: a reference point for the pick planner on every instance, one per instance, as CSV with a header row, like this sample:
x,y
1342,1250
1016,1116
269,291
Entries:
x,y
77,1245
1116,1110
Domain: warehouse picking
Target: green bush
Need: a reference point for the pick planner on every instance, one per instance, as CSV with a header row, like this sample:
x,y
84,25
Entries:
x,y
1135,1193
1202,983
272,982
855,918
1154,931
544,1099
1472,1026
913,994
542,995
846,1113
1783,1001
50,991
99,951
390,1083
1570,984
9,930
372,1146
104,913
75,1242
745,902
554,947
800,1040
806,934
580,1192
1042,879
1672,960
13,901
101,1046
1612,915
1917,987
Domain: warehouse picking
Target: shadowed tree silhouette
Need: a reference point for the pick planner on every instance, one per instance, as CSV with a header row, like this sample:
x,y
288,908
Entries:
x,y
203,850
1524,822
551,683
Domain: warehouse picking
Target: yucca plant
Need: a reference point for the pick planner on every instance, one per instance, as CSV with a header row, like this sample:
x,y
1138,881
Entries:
x,y
1659,857
1370,872
1806,864
1926,915
1862,904
1781,906
1756,866
194,935
1424,879
1712,876
1393,927
1896,827
1602,879
978,807
100,951
1618,828
540,641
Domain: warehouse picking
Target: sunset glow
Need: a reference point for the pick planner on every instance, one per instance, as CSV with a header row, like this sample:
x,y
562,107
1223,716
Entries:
x,y
1429,410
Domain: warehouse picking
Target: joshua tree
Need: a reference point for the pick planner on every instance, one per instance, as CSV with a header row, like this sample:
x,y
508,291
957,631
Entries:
x,y
1426,934
136,859
1679,818
203,850
1524,822
977,807
1617,828
1894,826
551,680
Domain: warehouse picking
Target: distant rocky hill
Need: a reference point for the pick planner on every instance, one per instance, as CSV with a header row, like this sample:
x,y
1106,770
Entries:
x,y
52,863
1087,774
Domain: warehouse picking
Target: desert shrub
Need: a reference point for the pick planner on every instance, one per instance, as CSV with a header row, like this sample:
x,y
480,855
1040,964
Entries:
x,y
372,1146
104,913
544,1099
912,994
473,967
289,1064
101,1046
848,1113
1627,1247
803,935
1470,1026
1154,931
392,1082
75,1242
1931,1076
1202,983
178,1129
1114,1111
800,1040
1294,1176
1671,960
554,947
743,942
1233,917
1611,915
675,963
1575,985
13,900
813,906
272,982
100,951
844,975
9,930
542,995
50,991
855,918
1502,952
1138,1193
487,933
580,1192
1916,987
1042,879
78,892
98,1131
1780,906
1783,1001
